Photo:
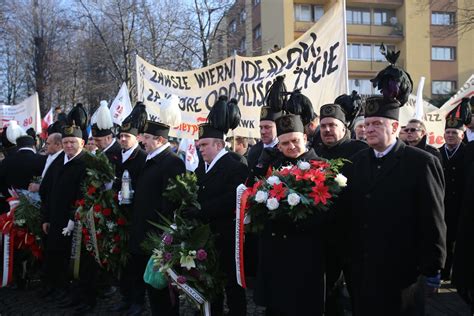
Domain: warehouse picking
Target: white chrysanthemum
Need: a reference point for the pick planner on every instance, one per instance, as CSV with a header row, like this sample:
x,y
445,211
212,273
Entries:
x,y
261,196
303,165
273,180
293,199
341,180
272,204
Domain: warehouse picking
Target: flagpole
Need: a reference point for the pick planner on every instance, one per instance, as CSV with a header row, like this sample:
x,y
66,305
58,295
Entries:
x,y
345,45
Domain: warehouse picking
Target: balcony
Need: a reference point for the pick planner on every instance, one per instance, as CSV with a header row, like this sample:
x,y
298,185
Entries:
x,y
375,33
368,68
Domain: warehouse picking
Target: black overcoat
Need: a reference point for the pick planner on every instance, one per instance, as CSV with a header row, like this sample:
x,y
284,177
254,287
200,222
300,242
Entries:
x,y
397,228
46,185
114,154
290,275
217,196
346,148
432,150
455,177
148,199
66,189
134,164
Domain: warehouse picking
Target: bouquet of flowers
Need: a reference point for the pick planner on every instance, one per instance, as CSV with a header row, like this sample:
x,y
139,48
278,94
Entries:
x,y
103,223
184,252
294,191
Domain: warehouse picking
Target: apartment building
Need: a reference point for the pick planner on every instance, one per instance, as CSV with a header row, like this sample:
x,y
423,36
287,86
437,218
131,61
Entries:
x,y
426,34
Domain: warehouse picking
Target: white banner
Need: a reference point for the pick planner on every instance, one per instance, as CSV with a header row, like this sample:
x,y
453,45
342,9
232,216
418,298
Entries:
x,y
121,107
435,121
26,113
316,63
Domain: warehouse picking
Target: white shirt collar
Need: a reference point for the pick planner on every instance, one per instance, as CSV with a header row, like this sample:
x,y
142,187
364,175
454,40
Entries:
x,y
379,154
126,154
157,152
469,135
49,161
214,161
27,148
272,144
66,159
110,145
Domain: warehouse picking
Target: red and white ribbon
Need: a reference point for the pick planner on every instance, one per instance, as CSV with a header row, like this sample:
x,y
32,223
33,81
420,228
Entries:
x,y
241,204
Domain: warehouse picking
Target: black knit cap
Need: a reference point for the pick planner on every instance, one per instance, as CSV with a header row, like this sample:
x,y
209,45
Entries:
x,y
25,141
71,131
289,123
156,129
382,107
334,111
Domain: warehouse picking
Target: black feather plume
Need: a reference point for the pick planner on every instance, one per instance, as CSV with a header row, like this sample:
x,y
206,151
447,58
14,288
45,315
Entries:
x,y
301,105
137,118
224,115
351,105
393,81
78,117
276,96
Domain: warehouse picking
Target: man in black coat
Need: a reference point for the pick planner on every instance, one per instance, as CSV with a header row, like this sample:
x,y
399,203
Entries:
x,y
463,263
107,144
394,204
416,136
58,217
454,167
133,160
161,165
18,169
335,143
218,176
290,275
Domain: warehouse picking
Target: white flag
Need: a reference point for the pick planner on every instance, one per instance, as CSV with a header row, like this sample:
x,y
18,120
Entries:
x,y
26,113
48,118
188,152
121,107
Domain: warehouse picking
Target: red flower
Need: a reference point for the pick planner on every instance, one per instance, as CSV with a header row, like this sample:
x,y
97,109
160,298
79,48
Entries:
x,y
87,238
80,202
117,238
98,235
315,176
320,194
91,190
319,164
97,208
278,191
107,211
116,250
84,231
121,221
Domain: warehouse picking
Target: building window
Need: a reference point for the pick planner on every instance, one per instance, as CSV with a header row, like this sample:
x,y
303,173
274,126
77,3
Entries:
x,y
442,18
243,16
359,51
256,2
257,32
363,86
383,17
232,26
358,16
442,53
242,46
308,12
442,87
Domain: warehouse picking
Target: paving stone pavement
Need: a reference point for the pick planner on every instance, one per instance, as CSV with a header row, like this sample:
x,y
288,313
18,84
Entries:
x,y
26,302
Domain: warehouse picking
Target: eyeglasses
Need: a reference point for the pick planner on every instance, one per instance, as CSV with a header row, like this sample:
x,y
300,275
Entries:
x,y
412,130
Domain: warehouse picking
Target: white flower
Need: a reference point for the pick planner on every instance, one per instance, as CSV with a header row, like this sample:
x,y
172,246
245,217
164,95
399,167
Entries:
x,y
20,222
187,262
192,253
303,165
273,180
261,196
272,204
158,254
293,199
111,225
341,180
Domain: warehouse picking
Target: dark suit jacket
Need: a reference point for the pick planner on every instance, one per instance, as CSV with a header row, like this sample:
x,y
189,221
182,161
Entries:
x,y
66,189
396,222
47,183
148,200
114,154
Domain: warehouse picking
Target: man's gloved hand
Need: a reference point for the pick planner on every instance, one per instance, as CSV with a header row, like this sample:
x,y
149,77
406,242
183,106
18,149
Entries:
x,y
67,231
192,212
267,156
434,281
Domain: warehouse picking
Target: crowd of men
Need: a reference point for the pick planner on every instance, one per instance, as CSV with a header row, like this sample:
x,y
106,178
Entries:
x,y
404,223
